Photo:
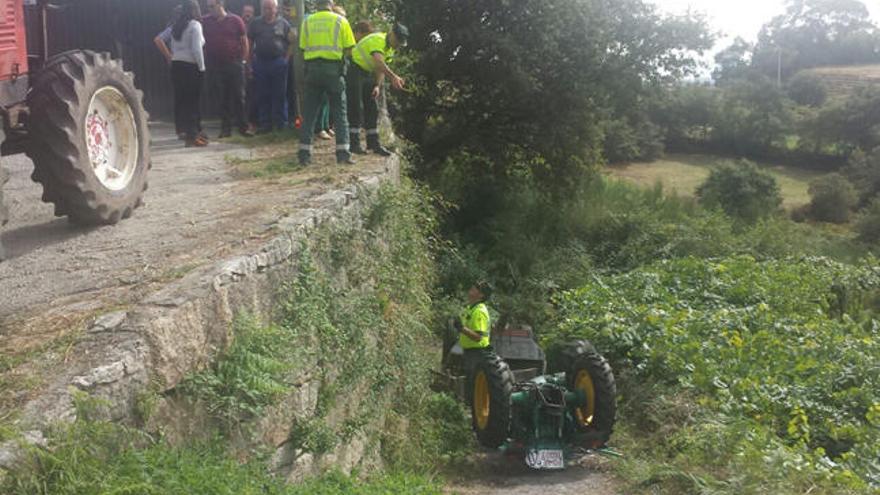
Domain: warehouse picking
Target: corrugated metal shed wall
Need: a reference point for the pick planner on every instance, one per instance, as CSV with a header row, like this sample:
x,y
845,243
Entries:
x,y
125,28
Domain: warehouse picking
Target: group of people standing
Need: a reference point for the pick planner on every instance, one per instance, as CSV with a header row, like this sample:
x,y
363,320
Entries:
x,y
248,63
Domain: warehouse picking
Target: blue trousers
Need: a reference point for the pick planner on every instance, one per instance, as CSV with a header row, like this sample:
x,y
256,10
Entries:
x,y
270,83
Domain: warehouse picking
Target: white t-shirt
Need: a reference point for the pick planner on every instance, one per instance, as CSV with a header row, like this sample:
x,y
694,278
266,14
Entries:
x,y
190,47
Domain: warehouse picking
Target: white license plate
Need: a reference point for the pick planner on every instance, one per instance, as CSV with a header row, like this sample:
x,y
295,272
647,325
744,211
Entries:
x,y
545,459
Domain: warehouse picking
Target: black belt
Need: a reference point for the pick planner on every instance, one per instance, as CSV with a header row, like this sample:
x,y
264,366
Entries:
x,y
361,69
323,61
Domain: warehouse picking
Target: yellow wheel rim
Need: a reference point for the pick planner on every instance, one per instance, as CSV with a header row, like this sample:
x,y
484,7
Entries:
x,y
481,400
584,382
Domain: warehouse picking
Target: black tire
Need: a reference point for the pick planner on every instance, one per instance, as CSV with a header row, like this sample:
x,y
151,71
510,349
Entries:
x,y
561,357
495,428
594,421
4,212
59,103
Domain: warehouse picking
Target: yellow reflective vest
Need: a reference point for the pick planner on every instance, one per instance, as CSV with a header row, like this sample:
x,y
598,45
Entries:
x,y
476,318
325,35
362,55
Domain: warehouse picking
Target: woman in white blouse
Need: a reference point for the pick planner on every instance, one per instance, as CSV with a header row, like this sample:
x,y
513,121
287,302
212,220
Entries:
x,y
182,44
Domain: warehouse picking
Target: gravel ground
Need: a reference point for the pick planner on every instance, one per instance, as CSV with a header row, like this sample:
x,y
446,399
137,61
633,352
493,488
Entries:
x,y
508,475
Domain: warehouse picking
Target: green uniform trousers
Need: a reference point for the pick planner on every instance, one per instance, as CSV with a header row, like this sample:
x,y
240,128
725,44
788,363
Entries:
x,y
324,79
363,109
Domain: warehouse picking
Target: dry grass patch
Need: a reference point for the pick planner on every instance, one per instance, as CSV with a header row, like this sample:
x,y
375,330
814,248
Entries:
x,y
682,174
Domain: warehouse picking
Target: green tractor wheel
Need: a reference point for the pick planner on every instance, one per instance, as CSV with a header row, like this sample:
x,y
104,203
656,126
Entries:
x,y
491,386
591,374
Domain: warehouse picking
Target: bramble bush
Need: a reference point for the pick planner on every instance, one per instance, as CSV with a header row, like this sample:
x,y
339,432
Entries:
x,y
780,350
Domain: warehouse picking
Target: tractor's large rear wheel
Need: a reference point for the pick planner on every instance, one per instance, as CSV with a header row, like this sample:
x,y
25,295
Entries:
x,y
590,374
89,139
491,386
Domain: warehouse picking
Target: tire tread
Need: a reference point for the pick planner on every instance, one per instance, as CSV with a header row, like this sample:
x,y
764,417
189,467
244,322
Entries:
x,y
57,149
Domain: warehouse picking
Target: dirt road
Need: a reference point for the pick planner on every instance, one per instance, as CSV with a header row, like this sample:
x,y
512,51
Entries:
x,y
507,475
197,209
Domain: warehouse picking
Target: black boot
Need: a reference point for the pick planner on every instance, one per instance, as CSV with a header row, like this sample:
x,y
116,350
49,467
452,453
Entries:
x,y
304,157
344,158
354,140
376,147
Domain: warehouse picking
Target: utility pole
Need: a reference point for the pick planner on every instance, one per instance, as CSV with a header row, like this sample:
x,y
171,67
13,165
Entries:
x,y
298,61
778,67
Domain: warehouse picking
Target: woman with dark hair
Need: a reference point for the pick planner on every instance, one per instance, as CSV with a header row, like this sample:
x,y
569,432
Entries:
x,y
182,44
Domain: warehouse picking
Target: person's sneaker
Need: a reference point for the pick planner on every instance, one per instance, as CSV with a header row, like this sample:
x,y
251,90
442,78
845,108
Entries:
x,y
358,150
331,132
324,135
196,143
346,161
246,132
381,150
224,134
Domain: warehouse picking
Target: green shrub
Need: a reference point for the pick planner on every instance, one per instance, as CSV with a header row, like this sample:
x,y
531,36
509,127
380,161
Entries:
x,y
742,191
832,199
868,224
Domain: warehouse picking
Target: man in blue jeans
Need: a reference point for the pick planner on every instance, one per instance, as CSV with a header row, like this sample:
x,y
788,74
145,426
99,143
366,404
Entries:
x,y
270,36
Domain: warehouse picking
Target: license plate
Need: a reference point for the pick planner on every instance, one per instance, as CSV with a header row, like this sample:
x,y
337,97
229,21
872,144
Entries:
x,y
545,459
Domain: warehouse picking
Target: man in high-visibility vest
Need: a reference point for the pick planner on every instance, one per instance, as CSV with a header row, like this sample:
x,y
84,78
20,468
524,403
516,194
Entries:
x,y
324,38
371,57
474,328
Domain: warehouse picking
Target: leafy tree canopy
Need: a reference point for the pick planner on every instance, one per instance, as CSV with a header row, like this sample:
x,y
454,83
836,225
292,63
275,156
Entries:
x,y
524,87
816,33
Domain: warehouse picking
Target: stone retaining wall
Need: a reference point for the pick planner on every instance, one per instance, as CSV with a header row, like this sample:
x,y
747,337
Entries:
x,y
179,330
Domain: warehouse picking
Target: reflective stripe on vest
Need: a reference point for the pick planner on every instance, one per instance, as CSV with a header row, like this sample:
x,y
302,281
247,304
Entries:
x,y
323,48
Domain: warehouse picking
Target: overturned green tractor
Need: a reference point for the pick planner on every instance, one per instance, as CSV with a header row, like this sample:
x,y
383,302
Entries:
x,y
516,404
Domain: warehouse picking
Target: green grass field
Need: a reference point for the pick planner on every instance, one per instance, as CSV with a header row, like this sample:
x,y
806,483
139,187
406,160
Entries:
x,y
682,174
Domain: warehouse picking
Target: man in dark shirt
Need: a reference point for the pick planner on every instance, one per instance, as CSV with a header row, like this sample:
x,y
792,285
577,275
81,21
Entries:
x,y
247,13
226,53
270,34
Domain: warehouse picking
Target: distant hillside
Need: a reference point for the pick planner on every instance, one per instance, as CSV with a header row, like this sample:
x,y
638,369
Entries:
x,y
842,81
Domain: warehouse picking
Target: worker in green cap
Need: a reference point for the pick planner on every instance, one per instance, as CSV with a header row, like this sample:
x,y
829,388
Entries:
x,y
371,57
474,327
325,37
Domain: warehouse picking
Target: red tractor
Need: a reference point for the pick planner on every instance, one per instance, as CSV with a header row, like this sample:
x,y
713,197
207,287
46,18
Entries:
x,y
77,115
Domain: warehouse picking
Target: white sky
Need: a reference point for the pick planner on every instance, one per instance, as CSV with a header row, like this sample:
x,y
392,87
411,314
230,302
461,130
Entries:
x,y
740,17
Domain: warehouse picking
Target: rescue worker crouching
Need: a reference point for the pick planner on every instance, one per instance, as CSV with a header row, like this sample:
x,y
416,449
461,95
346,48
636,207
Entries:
x,y
325,37
371,56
